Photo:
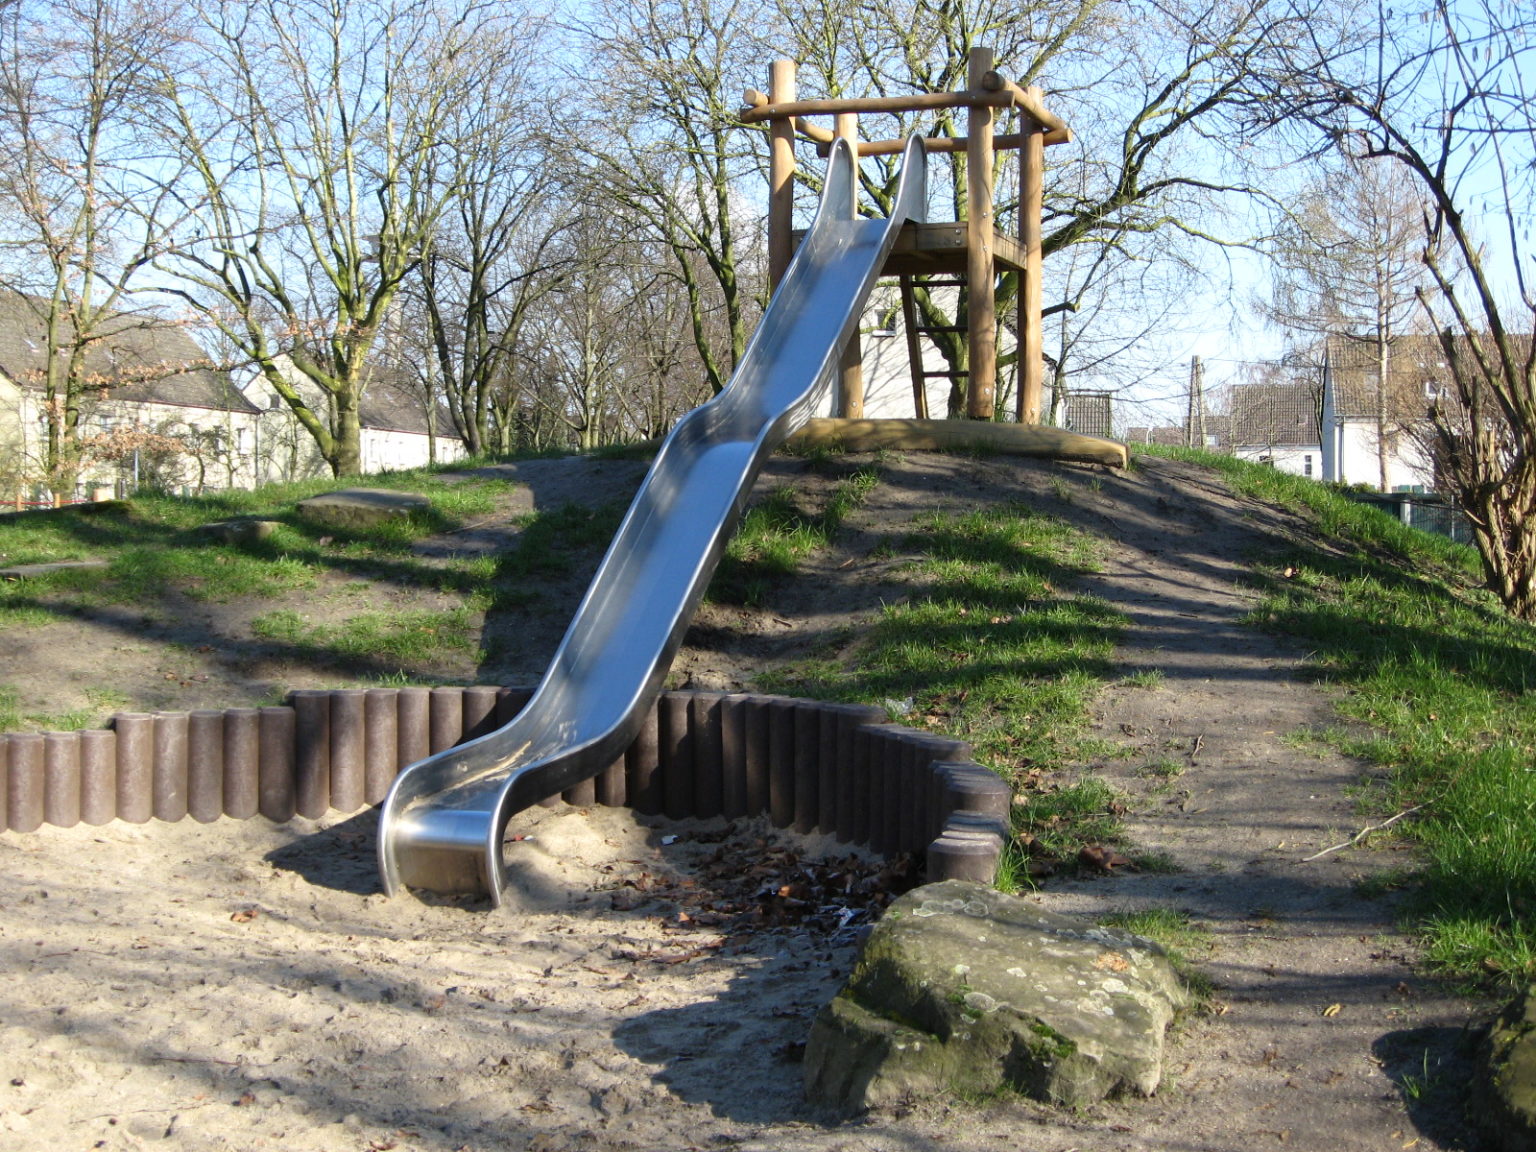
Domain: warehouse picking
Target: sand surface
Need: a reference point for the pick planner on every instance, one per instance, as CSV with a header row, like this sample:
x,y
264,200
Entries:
x,y
240,986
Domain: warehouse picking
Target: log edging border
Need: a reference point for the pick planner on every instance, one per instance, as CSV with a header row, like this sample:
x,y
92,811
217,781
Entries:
x,y
839,769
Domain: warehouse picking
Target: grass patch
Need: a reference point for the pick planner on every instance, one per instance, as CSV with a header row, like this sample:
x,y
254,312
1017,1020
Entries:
x,y
778,532
1162,768
384,642
990,646
993,647
1062,819
1146,678
100,703
1442,685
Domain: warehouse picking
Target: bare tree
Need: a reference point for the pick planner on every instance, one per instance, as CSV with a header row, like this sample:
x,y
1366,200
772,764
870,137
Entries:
x,y
83,199
318,131
1348,264
1444,91
671,153
493,256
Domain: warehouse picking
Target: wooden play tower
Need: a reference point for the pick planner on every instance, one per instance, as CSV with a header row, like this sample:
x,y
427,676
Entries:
x,y
948,254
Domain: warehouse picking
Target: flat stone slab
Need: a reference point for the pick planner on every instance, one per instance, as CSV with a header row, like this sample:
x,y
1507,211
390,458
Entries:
x,y
361,507
963,989
24,571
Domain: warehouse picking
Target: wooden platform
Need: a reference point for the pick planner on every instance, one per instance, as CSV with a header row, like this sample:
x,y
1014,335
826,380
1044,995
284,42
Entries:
x,y
958,435
934,249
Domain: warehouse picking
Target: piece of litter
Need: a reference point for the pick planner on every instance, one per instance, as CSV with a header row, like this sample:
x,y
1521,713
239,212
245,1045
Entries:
x,y
665,840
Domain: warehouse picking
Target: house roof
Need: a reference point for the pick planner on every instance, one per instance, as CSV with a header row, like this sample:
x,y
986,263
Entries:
x,y
141,357
391,403
1171,435
1417,370
1272,414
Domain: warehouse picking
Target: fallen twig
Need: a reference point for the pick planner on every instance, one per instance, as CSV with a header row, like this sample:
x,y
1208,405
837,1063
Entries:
x,y
1361,835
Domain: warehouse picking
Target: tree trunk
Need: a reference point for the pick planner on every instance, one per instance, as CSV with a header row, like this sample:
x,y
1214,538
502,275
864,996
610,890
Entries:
x,y
1383,364
346,457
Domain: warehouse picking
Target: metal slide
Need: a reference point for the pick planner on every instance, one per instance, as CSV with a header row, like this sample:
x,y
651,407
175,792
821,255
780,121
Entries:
x,y
442,824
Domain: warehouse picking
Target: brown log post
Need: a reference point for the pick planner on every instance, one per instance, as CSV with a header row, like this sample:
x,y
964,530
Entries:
x,y
612,789
807,768
311,751
135,766
275,796
98,776
1031,347
756,754
205,765
850,392
25,787
781,762
5,782
733,757
828,769
61,779
781,173
242,763
349,749
677,760
642,771
480,710
170,771
413,726
981,315
381,742
705,717
446,718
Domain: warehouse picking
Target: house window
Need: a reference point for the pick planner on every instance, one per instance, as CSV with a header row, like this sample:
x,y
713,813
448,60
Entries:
x,y
1306,465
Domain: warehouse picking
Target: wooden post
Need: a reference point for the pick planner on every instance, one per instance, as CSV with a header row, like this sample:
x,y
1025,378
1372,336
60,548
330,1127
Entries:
x,y
850,396
982,308
1031,347
781,172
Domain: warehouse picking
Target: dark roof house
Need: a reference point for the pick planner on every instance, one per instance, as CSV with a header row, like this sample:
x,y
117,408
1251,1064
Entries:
x,y
1272,414
137,358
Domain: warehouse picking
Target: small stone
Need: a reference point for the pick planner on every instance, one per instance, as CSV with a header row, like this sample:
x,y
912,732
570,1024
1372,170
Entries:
x,y
240,531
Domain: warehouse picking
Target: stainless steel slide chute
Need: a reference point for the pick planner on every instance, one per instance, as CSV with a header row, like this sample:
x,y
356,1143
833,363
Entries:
x,y
442,824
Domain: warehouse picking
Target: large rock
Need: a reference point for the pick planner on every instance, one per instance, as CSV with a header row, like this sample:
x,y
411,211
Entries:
x,y
1506,1076
964,989
359,508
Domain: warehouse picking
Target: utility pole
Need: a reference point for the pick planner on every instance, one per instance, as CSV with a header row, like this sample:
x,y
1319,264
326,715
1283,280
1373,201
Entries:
x,y
1194,420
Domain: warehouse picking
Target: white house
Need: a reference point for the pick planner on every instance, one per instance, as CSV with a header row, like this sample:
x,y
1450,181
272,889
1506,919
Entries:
x,y
1367,432
1273,422
396,433
156,412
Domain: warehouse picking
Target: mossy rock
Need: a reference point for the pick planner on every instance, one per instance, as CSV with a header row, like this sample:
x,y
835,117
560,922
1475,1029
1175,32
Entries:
x,y
965,990
1505,1091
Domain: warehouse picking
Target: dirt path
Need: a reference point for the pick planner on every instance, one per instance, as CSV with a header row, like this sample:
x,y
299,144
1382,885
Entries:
x,y
245,987
1326,1033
